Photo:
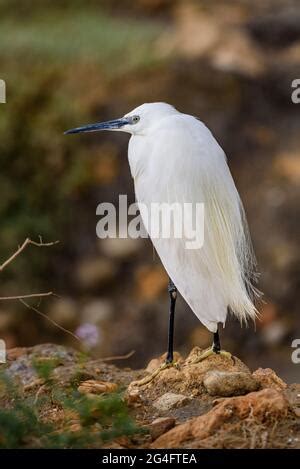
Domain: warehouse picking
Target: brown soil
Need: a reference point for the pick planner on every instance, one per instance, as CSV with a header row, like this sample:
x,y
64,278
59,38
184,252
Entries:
x,y
175,406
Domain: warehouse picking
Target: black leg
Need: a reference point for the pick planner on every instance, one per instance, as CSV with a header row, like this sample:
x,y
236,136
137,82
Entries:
x,y
216,343
173,295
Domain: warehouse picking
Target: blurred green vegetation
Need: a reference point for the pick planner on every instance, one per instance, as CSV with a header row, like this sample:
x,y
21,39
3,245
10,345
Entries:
x,y
26,419
58,60
78,35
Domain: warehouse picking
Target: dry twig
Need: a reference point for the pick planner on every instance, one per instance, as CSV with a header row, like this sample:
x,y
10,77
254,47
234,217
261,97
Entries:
x,y
21,248
22,298
49,319
31,295
118,357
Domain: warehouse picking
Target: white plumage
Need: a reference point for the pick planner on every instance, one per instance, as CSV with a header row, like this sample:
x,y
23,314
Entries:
x,y
174,158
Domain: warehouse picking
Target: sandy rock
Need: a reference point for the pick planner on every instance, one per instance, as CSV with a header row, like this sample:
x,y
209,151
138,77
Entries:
x,y
263,419
187,378
292,394
170,401
93,386
267,378
160,426
225,383
258,407
14,353
20,360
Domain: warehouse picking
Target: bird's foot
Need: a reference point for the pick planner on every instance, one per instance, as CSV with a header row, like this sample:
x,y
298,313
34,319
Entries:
x,y
207,354
150,377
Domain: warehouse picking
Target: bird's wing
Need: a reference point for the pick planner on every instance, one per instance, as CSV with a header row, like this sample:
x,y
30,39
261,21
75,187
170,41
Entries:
x,y
185,164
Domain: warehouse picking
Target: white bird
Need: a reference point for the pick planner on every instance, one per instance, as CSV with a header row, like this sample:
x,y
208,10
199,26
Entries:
x,y
174,157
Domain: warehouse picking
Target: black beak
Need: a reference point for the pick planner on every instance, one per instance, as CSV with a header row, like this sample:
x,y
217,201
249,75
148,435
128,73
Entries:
x,y
109,125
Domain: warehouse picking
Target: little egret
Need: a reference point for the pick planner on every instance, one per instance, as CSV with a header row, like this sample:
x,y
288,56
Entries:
x,y
173,157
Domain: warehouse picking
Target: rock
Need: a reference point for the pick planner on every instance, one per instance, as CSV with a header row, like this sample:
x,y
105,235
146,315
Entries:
x,y
20,360
93,386
187,378
292,394
225,383
265,419
160,426
255,408
14,353
133,397
267,378
170,401
69,367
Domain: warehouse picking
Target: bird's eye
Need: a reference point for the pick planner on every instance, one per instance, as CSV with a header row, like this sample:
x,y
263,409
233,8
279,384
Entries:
x,y
135,119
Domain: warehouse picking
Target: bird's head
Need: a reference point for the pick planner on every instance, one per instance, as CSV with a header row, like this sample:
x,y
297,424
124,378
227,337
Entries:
x,y
136,122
